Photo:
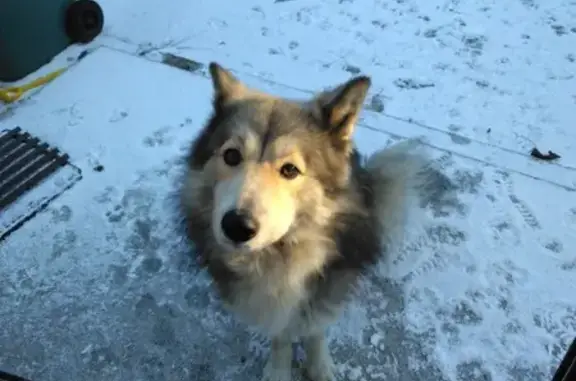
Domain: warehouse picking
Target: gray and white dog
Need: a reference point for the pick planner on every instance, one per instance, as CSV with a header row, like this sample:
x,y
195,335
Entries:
x,y
287,214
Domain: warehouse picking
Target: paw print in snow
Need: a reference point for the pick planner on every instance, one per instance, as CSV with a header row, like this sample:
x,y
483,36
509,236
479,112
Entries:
x,y
115,214
159,138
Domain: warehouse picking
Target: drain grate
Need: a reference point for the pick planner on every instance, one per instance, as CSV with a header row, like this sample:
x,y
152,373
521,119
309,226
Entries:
x,y
10,377
567,369
24,163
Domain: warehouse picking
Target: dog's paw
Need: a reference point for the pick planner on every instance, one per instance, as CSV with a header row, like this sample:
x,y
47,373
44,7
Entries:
x,y
272,373
321,370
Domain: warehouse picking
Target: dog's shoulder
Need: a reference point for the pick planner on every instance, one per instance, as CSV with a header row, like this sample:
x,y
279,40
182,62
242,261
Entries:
x,y
356,235
362,181
356,228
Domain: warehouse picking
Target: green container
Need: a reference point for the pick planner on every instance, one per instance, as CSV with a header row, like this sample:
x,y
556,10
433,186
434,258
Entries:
x,y
32,32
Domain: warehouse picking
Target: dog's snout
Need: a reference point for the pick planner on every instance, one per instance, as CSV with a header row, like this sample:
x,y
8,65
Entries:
x,y
239,226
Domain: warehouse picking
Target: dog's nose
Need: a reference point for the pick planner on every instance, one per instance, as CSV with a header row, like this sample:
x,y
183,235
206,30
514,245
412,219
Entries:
x,y
239,226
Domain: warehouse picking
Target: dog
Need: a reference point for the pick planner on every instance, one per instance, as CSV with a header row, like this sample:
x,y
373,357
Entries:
x,y
286,212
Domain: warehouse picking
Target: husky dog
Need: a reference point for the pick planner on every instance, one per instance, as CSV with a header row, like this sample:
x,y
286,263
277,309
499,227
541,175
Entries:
x,y
287,214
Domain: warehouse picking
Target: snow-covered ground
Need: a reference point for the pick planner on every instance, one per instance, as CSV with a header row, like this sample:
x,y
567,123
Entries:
x,y
99,287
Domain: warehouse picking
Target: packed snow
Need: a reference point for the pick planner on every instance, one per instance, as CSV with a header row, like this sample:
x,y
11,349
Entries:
x,y
100,286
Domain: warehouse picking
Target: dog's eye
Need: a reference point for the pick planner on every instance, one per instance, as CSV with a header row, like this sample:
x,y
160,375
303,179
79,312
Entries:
x,y
289,171
232,157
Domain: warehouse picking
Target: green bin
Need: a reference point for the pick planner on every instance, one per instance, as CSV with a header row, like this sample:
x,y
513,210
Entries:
x,y
32,32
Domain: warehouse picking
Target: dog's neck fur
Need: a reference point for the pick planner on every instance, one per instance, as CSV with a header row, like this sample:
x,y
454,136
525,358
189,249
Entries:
x,y
274,279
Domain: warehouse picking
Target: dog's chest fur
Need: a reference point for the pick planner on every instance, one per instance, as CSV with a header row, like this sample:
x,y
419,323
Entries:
x,y
285,310
277,296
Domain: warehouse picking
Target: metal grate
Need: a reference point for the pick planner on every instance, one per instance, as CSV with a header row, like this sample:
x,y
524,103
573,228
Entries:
x,y
567,369
10,377
24,163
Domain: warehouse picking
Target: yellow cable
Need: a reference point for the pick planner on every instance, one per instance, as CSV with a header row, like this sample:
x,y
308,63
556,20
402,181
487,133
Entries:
x,y
11,94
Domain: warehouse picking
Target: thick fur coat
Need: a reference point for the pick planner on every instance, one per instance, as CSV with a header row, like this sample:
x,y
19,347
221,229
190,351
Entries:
x,y
286,212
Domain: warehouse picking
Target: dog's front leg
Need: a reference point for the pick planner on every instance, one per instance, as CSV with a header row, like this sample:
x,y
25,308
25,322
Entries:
x,y
319,365
279,364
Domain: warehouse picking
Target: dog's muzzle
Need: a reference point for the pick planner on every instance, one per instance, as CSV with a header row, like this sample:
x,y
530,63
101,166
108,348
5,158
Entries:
x,y
239,226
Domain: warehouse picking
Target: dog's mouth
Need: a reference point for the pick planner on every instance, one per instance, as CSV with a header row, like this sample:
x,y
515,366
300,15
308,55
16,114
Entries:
x,y
229,245
249,246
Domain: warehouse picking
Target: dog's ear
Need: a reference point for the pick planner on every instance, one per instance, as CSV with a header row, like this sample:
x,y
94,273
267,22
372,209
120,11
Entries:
x,y
340,107
227,87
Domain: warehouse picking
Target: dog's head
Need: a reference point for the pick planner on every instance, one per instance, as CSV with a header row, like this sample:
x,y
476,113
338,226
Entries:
x,y
273,165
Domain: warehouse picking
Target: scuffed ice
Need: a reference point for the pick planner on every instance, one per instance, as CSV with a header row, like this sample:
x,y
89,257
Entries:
x,y
101,287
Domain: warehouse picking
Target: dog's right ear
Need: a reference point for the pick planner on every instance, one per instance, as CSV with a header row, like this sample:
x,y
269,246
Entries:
x,y
338,109
227,87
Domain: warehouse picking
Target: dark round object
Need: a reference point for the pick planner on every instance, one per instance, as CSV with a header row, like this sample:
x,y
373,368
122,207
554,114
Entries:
x,y
289,171
232,157
84,21
239,226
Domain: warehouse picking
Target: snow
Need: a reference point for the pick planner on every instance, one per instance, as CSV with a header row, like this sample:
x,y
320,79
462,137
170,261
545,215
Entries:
x,y
99,286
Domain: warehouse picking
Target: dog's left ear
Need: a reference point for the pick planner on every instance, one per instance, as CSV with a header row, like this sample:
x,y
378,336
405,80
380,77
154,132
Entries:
x,y
227,87
341,106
